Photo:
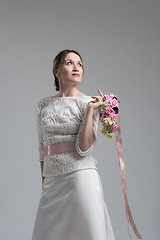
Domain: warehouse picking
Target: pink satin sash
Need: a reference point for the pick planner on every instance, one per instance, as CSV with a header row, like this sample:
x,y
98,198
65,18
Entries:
x,y
58,148
122,172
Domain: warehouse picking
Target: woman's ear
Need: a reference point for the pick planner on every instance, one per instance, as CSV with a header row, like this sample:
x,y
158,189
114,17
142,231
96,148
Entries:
x,y
55,73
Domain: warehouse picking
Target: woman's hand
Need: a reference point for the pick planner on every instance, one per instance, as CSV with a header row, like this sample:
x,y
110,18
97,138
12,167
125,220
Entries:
x,y
97,101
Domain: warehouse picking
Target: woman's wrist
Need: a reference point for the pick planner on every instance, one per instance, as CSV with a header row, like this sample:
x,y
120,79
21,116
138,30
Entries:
x,y
90,110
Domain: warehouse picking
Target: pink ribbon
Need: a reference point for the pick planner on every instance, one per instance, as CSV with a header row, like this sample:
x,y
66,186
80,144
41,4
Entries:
x,y
58,148
122,172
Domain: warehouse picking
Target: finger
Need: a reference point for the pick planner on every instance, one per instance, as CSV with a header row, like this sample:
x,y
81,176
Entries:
x,y
95,97
100,92
98,97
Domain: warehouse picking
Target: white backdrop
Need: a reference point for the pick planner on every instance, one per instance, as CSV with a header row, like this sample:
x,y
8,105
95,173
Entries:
x,y
119,42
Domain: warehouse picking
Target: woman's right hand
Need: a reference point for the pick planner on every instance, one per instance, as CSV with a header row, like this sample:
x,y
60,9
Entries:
x,y
97,102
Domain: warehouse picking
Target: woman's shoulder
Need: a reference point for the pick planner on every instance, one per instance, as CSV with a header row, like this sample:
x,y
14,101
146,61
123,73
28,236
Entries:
x,y
42,102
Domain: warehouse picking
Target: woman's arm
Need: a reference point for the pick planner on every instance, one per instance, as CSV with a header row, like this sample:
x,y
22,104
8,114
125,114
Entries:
x,y
41,165
87,137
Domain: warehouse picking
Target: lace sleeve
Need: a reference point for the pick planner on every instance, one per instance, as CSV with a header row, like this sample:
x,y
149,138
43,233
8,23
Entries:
x,y
96,115
40,139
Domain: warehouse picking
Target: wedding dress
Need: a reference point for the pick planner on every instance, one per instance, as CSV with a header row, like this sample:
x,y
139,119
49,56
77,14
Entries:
x,y
71,206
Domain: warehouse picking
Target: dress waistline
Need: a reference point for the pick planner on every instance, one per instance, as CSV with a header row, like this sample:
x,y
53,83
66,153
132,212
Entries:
x,y
58,148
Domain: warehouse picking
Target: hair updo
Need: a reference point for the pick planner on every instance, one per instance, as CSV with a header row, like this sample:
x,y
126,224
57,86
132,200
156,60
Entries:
x,y
59,60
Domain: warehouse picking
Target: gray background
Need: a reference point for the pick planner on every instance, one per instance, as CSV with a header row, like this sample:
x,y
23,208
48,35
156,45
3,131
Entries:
x,y
119,42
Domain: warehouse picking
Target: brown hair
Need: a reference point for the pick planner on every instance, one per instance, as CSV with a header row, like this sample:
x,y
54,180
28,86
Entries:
x,y
59,60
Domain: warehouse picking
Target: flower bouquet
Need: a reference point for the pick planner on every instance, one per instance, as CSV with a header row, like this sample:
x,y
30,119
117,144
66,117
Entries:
x,y
108,115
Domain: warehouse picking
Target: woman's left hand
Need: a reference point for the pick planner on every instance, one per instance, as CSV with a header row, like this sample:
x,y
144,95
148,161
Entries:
x,y
97,101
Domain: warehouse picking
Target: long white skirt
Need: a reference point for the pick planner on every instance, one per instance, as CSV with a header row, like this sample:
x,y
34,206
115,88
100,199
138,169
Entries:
x,y
72,207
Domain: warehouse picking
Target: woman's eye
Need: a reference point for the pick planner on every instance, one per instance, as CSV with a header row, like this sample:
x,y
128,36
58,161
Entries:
x,y
79,64
69,62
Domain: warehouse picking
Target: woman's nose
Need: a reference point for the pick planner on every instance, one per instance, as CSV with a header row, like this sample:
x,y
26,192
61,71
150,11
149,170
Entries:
x,y
75,68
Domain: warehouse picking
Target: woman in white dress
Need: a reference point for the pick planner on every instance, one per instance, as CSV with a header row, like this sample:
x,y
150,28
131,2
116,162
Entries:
x,y
72,205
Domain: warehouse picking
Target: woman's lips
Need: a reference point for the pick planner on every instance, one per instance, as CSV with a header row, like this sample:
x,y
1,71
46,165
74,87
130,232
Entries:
x,y
76,74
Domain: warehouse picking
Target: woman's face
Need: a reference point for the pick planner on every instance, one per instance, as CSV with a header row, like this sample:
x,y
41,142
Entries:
x,y
71,69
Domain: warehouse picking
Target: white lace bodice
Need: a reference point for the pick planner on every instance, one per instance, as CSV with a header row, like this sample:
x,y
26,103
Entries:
x,y
60,119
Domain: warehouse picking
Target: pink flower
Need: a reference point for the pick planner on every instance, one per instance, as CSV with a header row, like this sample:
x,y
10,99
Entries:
x,y
111,95
114,127
104,97
114,103
112,116
109,101
107,110
107,97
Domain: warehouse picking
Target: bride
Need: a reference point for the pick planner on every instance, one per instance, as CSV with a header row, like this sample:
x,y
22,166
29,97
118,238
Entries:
x,y
71,206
